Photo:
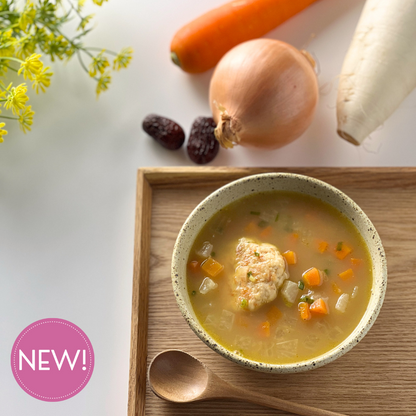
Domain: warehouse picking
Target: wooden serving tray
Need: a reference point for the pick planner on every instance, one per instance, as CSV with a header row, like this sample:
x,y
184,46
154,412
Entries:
x,y
377,377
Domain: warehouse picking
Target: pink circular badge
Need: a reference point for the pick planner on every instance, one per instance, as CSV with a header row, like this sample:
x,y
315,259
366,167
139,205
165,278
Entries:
x,y
52,360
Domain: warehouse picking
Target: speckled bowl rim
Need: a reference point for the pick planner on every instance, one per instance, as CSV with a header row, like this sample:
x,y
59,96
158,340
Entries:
x,y
194,224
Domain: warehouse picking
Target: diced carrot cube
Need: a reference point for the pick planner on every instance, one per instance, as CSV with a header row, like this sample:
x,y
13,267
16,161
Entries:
x,y
304,311
193,266
266,232
348,274
313,277
265,329
273,314
252,228
356,262
342,250
319,306
322,246
336,288
212,267
290,257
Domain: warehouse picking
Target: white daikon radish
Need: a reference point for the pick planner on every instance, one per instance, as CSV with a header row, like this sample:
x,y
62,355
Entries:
x,y
379,70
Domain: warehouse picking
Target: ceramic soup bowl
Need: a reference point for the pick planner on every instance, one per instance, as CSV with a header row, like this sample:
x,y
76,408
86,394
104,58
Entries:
x,y
279,182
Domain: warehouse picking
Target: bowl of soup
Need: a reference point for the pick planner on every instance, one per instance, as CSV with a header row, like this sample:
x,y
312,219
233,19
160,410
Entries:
x,y
279,272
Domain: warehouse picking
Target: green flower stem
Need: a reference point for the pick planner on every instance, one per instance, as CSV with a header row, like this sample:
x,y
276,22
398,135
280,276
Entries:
x,y
10,118
83,65
9,58
8,12
100,49
11,68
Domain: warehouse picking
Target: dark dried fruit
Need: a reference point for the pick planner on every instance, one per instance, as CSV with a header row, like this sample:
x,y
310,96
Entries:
x,y
202,144
165,131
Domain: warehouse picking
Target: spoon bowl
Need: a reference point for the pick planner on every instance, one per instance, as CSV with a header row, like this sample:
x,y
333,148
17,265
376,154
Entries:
x,y
178,377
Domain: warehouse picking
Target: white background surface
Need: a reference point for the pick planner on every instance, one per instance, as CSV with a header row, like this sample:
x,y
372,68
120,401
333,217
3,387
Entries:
x,y
67,189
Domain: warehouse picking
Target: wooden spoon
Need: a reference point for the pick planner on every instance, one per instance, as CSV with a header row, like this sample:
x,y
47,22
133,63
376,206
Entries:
x,y
178,377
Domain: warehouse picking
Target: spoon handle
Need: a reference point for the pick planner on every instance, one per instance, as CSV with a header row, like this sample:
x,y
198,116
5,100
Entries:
x,y
275,403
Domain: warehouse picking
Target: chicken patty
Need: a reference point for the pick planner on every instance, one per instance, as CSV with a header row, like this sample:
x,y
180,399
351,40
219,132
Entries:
x,y
259,273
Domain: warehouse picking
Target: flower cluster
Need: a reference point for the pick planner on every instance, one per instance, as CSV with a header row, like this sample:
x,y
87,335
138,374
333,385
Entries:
x,y
35,29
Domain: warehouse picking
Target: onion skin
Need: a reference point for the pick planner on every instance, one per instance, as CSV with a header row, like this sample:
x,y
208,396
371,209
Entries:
x,y
263,94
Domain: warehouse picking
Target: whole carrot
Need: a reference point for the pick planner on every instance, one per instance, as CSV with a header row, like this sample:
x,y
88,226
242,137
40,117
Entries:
x,y
200,44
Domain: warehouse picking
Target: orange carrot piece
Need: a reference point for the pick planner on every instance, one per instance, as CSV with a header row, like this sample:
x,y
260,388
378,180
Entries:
x,y
347,275
322,246
356,262
290,257
200,44
212,267
252,228
304,311
193,266
265,329
342,250
266,232
319,306
336,288
313,277
273,314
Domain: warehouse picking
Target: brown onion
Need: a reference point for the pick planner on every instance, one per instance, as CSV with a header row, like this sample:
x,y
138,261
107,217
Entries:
x,y
263,94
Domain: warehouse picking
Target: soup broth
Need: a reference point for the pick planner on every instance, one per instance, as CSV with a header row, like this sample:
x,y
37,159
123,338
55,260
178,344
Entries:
x,y
322,275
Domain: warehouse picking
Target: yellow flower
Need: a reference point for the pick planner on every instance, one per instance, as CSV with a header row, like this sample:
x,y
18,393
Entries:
x,y
16,100
99,63
31,66
123,59
26,119
2,132
6,43
27,17
98,2
84,21
103,83
81,3
25,47
42,80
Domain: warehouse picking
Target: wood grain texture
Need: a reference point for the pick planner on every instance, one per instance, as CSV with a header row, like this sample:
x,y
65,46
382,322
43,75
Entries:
x,y
140,298
376,378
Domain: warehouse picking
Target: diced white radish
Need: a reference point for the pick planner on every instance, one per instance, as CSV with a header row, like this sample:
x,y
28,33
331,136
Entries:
x,y
207,285
379,68
226,320
354,292
206,249
342,302
289,292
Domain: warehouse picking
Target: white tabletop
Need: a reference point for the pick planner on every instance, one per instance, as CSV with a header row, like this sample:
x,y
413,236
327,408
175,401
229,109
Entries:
x,y
67,189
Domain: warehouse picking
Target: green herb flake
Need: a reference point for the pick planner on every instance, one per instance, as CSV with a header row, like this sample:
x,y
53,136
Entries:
x,y
306,299
301,285
249,274
339,246
254,212
252,279
213,254
256,254
263,224
244,303
277,217
193,293
326,271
